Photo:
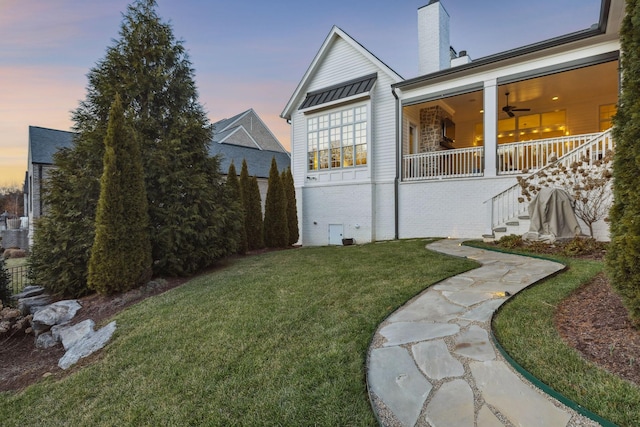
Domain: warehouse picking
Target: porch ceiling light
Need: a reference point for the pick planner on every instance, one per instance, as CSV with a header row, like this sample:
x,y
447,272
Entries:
x,y
555,98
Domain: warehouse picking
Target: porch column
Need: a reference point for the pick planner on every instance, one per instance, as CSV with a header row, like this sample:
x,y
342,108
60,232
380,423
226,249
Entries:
x,y
490,127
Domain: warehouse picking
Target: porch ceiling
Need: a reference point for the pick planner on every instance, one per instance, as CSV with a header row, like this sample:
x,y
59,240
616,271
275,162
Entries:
x,y
575,86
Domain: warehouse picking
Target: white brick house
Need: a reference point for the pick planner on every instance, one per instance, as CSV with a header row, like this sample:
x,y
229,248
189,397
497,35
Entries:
x,y
377,157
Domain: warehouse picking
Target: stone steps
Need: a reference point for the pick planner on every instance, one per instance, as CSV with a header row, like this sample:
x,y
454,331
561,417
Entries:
x,y
517,226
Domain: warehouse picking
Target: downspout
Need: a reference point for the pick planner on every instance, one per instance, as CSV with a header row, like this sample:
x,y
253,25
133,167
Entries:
x,y
397,177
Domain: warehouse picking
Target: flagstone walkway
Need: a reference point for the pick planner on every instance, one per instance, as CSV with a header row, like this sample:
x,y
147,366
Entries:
x,y
432,362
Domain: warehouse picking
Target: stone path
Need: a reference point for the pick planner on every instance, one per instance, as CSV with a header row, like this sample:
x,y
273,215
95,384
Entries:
x,y
432,362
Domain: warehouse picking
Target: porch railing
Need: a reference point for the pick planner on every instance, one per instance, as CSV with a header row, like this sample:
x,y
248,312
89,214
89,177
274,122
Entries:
x,y
530,156
507,205
458,163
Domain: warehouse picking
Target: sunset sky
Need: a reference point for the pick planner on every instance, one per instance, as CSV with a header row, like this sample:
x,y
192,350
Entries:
x,y
246,54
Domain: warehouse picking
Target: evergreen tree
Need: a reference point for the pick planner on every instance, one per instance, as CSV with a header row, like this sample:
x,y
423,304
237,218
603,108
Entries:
x,y
121,253
192,221
623,256
276,230
252,208
5,291
292,209
233,187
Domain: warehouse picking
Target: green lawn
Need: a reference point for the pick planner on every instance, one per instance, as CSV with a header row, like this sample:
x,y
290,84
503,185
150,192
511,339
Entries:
x,y
525,328
276,339
20,277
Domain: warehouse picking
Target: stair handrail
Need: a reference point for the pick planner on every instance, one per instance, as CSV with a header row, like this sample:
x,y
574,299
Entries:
x,y
510,196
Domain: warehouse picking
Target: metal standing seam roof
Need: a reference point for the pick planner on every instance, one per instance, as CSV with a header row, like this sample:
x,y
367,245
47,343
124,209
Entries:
x,y
339,91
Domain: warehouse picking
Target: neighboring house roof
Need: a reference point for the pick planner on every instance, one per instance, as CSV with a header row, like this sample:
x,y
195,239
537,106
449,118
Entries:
x,y
44,142
258,161
334,34
237,136
246,129
339,91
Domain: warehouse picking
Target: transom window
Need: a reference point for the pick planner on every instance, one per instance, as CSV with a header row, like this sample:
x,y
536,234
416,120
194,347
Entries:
x,y
337,139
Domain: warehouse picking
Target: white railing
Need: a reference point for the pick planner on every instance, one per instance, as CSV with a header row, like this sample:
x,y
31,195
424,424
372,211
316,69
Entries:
x,y
530,156
507,205
458,163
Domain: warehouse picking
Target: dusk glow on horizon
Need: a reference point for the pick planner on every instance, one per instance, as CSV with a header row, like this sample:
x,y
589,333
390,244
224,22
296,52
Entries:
x,y
245,54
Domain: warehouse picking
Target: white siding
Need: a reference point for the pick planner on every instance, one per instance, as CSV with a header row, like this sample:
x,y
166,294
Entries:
x,y
361,198
448,208
349,205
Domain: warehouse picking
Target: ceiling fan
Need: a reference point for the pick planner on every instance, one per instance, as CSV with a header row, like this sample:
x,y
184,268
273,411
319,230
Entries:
x,y
509,109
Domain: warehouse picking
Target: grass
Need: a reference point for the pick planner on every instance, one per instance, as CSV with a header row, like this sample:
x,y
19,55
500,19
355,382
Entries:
x,y
15,262
525,328
276,339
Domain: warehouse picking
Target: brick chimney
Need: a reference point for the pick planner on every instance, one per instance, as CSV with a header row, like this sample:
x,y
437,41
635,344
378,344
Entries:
x,y
433,38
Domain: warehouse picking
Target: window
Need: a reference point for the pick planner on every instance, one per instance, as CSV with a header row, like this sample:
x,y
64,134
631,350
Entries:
x,y
337,139
527,127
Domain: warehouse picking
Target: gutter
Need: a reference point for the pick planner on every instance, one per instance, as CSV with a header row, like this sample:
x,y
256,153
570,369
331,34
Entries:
x,y
397,177
510,54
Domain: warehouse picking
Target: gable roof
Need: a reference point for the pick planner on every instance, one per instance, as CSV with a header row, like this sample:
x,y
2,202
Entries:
x,y
334,34
221,138
224,128
44,142
258,161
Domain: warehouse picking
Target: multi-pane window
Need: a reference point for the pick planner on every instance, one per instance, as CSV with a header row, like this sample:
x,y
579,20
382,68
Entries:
x,y
337,139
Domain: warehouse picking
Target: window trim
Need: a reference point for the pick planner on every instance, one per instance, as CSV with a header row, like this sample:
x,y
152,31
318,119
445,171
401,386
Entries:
x,y
328,113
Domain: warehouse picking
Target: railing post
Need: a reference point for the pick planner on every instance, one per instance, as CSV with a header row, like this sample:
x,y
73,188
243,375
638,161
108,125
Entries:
x,y
490,127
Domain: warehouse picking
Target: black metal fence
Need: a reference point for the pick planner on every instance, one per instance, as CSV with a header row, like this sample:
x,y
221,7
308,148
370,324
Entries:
x,y
17,278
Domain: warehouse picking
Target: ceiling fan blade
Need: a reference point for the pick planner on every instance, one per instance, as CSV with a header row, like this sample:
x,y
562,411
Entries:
x,y
521,109
509,113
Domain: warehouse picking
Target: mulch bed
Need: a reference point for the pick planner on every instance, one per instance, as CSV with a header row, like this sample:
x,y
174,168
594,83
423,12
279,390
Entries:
x,y
594,322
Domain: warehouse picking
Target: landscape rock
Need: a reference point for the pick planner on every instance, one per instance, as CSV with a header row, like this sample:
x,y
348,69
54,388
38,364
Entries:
x,y
54,314
29,291
86,346
30,305
45,340
69,335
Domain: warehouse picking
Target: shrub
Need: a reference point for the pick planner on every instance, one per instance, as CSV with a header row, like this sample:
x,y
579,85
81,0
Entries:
x,y
623,257
582,246
14,253
5,290
511,241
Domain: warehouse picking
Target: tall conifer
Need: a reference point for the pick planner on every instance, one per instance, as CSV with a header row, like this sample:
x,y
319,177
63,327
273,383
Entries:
x,y
121,253
192,222
233,186
292,209
276,230
623,256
